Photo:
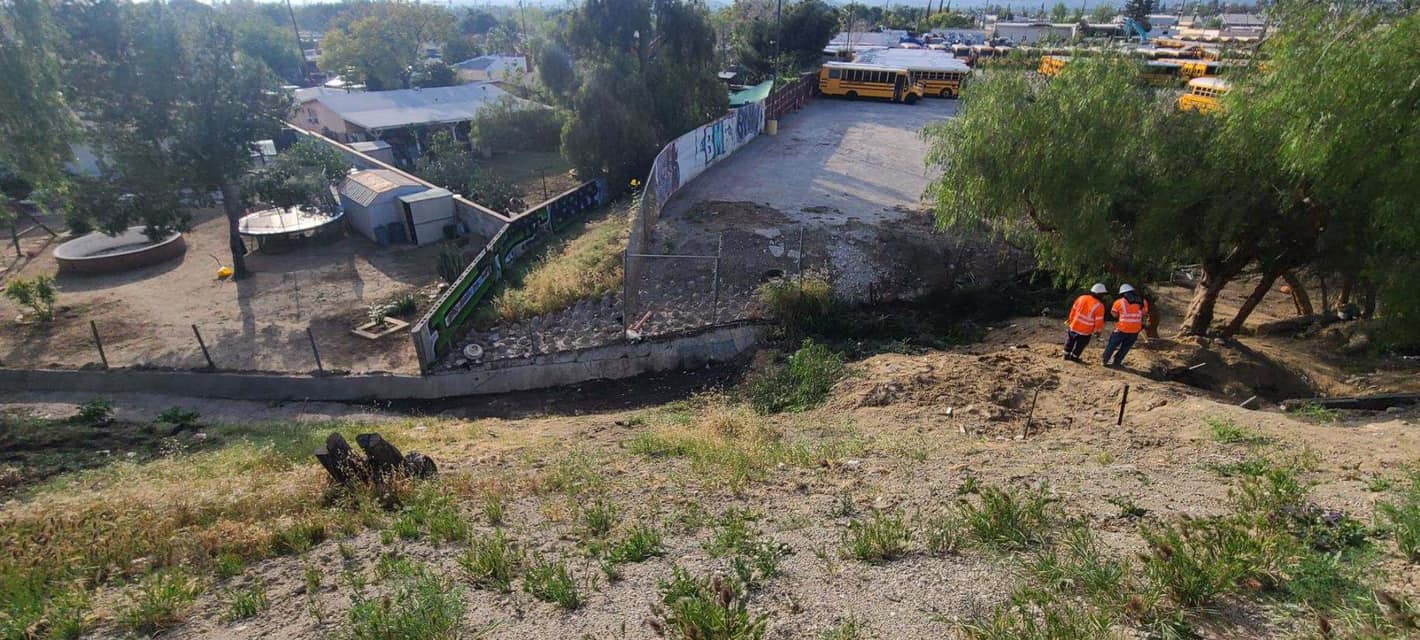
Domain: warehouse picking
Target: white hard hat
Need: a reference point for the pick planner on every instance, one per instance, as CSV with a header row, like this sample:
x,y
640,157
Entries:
x,y
1125,288
1099,288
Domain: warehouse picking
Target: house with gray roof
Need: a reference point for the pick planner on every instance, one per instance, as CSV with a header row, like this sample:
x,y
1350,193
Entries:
x,y
492,68
360,116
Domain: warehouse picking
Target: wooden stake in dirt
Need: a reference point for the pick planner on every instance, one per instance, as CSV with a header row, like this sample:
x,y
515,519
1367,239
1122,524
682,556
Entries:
x,y
1123,400
98,342
315,351
1031,414
202,344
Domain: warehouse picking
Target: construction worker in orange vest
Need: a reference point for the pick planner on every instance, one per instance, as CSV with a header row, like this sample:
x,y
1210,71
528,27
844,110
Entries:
x,y
1129,311
1086,319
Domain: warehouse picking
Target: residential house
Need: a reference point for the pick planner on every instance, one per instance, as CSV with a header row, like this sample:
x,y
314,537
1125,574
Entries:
x,y
492,68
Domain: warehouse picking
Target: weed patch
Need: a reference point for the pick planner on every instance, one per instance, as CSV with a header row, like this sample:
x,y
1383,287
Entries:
x,y
1008,519
1228,432
492,562
694,608
551,581
247,603
159,601
800,384
422,606
878,539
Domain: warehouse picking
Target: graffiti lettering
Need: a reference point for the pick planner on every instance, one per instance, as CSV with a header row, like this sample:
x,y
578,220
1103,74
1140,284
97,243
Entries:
x,y
712,142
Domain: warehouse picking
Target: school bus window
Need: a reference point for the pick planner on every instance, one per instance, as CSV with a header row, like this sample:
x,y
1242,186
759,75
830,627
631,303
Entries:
x,y
834,73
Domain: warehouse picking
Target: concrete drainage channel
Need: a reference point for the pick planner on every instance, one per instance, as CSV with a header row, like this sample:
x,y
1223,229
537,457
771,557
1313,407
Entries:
x,y
606,362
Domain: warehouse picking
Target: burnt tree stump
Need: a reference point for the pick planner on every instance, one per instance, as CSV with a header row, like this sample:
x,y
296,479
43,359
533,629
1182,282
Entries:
x,y
382,460
419,465
340,460
385,459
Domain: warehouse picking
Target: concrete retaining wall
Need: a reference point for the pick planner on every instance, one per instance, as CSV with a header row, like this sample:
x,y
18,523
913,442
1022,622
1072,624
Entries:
x,y
598,363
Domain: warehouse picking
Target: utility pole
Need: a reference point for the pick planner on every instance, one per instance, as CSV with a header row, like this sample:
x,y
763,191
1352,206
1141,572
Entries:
x,y
778,35
296,29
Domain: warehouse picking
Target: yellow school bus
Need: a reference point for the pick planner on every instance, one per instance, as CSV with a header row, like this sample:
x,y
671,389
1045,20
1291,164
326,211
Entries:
x,y
854,80
1052,65
941,74
1203,94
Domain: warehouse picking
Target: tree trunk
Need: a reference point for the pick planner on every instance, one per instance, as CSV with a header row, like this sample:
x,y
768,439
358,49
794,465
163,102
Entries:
x,y
232,204
1300,299
1325,294
1258,293
1199,316
1347,281
1368,305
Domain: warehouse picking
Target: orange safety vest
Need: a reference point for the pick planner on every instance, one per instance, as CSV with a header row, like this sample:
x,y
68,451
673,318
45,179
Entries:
x,y
1130,316
1087,316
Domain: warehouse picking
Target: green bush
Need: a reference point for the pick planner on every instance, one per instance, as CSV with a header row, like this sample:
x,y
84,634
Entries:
x,y
802,383
97,412
37,293
507,125
801,305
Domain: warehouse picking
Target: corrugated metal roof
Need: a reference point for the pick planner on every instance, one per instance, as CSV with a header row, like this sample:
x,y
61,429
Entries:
x,y
406,107
363,187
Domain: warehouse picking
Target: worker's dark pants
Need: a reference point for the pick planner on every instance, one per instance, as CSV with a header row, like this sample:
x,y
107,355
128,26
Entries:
x,y
1075,343
1121,341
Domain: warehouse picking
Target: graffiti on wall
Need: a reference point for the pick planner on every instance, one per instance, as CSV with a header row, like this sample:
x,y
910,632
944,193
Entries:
x,y
704,146
710,142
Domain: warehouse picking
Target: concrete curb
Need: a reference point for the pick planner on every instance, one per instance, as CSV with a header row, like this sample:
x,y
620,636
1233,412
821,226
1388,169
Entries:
x,y
608,362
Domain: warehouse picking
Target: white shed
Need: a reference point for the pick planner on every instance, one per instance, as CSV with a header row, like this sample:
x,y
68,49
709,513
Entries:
x,y
374,204
429,215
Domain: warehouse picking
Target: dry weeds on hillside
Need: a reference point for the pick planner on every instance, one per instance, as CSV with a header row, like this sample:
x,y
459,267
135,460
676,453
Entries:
x,y
914,504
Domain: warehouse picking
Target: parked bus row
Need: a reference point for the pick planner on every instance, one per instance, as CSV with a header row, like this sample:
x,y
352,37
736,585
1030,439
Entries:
x,y
1160,73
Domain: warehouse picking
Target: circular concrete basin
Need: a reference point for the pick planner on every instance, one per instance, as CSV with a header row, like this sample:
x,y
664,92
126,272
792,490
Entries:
x,y
96,253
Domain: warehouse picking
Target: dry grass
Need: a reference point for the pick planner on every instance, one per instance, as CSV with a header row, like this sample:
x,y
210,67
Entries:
x,y
205,512
735,445
586,263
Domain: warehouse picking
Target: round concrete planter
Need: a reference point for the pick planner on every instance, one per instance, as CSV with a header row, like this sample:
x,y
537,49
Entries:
x,y
96,253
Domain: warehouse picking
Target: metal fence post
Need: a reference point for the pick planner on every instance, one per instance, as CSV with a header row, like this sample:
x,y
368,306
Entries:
x,y
98,342
314,350
202,344
715,282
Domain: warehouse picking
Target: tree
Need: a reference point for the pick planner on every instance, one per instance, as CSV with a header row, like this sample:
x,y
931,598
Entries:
x,y
1103,13
229,101
1060,12
448,164
385,48
1282,177
804,30
273,44
35,121
1071,180
461,48
435,73
633,46
301,175
477,22
951,20
555,71
1138,11
173,106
